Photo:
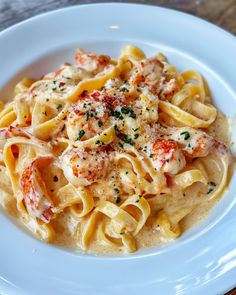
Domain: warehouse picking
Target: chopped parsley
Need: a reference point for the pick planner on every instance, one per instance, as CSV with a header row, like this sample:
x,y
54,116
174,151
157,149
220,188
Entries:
x,y
136,136
116,129
100,123
136,129
87,116
132,114
59,106
139,197
124,89
129,111
116,114
116,190
128,140
125,110
90,114
117,200
55,178
101,143
186,134
210,190
81,134
151,156
120,145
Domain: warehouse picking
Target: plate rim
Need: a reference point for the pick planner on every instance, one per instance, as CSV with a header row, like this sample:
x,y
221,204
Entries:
x,y
171,10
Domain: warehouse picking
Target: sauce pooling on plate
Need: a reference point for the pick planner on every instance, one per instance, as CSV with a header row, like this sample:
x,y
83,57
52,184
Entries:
x,y
112,155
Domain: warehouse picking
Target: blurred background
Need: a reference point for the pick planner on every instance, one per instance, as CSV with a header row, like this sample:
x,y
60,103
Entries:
x,y
220,12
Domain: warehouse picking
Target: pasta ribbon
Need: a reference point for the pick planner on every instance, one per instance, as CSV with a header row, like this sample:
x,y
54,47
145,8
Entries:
x,y
42,231
121,223
95,83
150,107
106,137
186,118
104,238
69,196
23,86
219,160
187,178
167,230
121,218
10,161
46,129
194,76
7,115
142,204
22,110
143,172
188,91
132,53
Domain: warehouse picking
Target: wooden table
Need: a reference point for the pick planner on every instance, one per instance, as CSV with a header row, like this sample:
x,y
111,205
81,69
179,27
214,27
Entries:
x,y
220,12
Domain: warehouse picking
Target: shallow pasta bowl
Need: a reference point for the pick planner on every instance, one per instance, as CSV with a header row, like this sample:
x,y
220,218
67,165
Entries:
x,y
203,259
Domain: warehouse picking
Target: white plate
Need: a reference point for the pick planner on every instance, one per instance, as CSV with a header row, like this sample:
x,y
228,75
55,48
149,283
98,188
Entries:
x,y
202,261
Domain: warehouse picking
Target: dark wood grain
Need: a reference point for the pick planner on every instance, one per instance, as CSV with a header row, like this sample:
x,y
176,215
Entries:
x,y
219,12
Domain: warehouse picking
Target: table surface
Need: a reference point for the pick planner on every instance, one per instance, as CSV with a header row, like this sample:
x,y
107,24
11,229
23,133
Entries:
x,y
219,12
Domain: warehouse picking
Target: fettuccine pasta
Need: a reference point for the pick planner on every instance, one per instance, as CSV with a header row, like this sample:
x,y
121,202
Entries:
x,y
112,155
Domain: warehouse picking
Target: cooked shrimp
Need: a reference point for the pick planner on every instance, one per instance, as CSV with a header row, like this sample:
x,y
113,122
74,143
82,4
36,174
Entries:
x,y
9,132
168,88
167,156
4,134
36,198
12,131
84,167
91,115
86,116
147,72
91,62
194,143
